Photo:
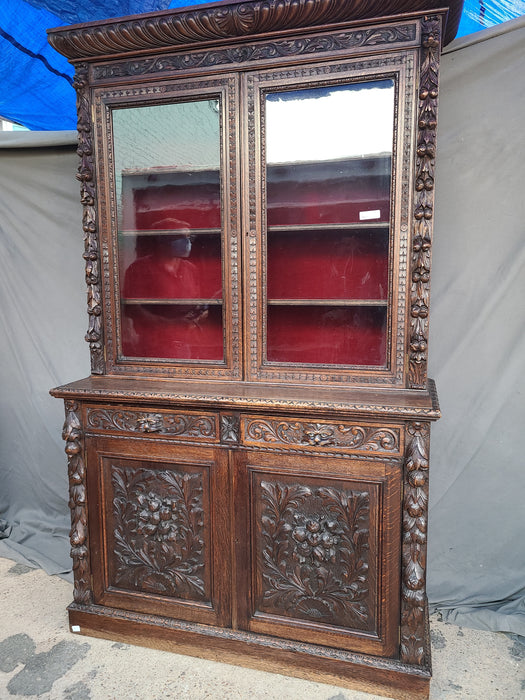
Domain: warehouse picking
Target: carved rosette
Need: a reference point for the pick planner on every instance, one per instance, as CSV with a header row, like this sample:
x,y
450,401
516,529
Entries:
x,y
158,532
72,434
349,436
424,203
414,546
313,554
94,335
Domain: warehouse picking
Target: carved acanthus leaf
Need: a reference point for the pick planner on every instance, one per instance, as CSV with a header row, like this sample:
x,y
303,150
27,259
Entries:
x,y
414,546
72,434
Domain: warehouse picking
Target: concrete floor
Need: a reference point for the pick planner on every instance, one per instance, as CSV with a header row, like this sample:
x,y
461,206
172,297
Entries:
x,y
39,657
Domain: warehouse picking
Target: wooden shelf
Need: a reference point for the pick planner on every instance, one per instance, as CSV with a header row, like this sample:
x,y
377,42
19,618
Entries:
x,y
327,302
172,232
179,302
293,228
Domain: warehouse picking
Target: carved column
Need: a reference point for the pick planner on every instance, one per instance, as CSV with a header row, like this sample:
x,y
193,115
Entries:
x,y
89,218
78,535
414,546
424,202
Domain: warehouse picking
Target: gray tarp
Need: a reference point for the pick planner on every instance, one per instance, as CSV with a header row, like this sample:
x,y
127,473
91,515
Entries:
x,y
477,554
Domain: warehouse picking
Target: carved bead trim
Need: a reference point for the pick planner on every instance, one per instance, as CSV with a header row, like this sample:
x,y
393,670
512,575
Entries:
x,y
424,203
210,24
414,545
181,425
85,176
72,434
347,436
343,41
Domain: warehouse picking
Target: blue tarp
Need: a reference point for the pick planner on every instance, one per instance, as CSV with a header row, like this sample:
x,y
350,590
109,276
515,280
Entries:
x,y
36,82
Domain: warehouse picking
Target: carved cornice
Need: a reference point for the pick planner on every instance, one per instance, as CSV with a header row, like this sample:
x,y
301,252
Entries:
x,y
85,176
414,545
72,434
424,204
227,21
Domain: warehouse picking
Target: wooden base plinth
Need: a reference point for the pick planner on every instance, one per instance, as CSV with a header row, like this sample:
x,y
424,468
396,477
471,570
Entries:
x,y
308,661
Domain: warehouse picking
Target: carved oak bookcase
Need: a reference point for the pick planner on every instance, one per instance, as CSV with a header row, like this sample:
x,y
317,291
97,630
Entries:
x,y
248,461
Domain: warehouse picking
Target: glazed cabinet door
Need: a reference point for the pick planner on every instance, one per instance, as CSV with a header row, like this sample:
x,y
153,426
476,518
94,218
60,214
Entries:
x,y
318,549
170,228
330,149
158,518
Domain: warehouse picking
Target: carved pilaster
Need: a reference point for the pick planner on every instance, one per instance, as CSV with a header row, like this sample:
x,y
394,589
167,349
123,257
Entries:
x,y
414,547
424,202
72,434
89,218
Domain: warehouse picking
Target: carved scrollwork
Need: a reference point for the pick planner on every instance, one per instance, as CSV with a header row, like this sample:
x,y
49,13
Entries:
x,y
415,507
374,36
158,532
285,432
174,424
72,434
313,553
424,203
85,175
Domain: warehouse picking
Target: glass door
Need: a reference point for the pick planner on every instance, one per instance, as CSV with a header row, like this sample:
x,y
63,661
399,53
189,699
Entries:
x,y
175,243
325,232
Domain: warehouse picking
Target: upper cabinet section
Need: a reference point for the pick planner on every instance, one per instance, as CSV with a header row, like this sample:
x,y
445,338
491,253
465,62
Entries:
x,y
257,181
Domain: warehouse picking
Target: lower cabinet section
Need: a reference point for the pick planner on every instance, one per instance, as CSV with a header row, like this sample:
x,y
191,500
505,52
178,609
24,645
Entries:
x,y
159,517
315,551
318,549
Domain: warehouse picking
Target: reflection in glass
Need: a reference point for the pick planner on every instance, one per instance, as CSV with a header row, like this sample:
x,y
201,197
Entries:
x,y
328,170
167,182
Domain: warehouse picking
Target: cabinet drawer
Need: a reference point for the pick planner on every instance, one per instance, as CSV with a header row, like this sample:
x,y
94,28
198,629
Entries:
x,y
198,426
321,435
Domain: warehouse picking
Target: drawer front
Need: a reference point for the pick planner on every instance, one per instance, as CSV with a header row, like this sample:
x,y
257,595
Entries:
x,y
322,435
198,426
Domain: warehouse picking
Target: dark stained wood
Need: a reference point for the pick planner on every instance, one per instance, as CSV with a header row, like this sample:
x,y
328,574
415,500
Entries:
x,y
270,514
312,662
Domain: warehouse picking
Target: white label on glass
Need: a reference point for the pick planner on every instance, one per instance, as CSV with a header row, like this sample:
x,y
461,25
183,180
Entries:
x,y
75,628
370,214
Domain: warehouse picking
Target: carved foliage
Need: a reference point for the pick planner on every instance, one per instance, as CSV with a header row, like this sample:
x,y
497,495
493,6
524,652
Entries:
x,y
72,434
173,424
367,438
424,203
89,218
415,506
313,554
158,532
375,36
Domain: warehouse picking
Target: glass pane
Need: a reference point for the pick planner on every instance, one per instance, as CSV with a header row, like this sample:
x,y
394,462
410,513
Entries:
x,y
328,169
167,180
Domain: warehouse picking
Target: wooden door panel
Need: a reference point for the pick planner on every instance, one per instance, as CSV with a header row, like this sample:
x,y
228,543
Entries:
x,y
158,550
324,560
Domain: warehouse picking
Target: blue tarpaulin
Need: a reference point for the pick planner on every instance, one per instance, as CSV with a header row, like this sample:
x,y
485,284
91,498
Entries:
x,y
36,82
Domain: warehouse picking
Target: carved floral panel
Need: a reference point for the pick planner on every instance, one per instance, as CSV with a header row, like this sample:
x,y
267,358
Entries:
x,y
159,536
313,549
